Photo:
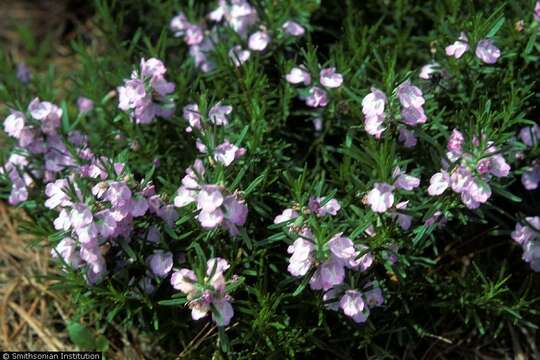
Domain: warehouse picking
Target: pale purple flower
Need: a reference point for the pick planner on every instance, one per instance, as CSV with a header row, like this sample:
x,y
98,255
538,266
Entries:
x,y
201,147
192,116
498,166
373,103
143,104
23,73
363,262
258,41
239,55
235,210
286,215
153,235
527,234
537,11
139,207
469,201
132,95
184,280
145,283
330,78
404,220
353,305
461,179
487,51
184,197
331,207
81,216
328,275
413,116
160,263
152,68
209,198
458,48
218,114
528,135
200,54
410,95
293,28
374,297
438,183
56,194
168,214
302,257
531,255
63,220
119,194
528,231
374,125
479,190
317,97
226,153
225,311
14,124
46,112
455,143
404,181
210,219
381,198
84,104
435,219
342,247
318,123
407,137
179,24
331,298
91,254
238,14
235,214
427,71
216,266
299,75
531,176
67,250
193,34
107,225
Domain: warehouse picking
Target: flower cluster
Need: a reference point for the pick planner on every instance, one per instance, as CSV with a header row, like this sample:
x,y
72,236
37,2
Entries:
x,y
147,94
486,50
412,113
527,234
471,172
530,178
315,96
89,223
354,303
381,197
207,291
37,133
218,115
226,152
238,15
325,261
216,207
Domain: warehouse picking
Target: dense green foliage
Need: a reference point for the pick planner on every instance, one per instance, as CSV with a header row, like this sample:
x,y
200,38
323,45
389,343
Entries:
x,y
457,289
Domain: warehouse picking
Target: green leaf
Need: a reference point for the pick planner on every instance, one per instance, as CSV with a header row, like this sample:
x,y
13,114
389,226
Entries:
x,y
173,302
495,29
102,344
81,336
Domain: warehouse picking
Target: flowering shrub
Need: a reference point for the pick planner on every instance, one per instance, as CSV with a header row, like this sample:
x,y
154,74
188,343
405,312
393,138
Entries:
x,y
300,178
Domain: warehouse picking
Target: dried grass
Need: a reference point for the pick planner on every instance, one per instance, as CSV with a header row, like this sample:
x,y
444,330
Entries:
x,y
30,314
